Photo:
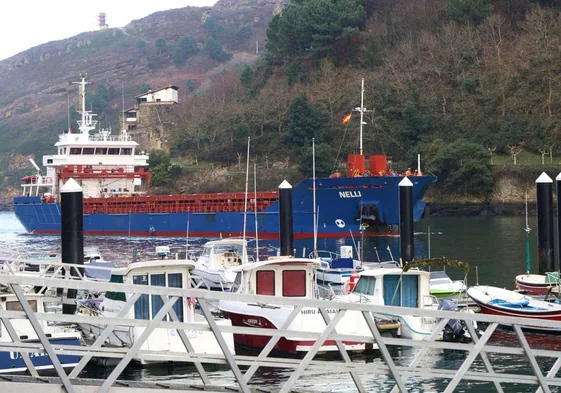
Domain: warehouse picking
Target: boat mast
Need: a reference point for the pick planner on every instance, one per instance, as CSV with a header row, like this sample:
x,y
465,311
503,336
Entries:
x,y
255,191
86,123
245,202
527,230
314,196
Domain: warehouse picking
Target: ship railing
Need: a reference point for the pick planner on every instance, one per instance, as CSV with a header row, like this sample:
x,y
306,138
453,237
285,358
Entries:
x,y
488,346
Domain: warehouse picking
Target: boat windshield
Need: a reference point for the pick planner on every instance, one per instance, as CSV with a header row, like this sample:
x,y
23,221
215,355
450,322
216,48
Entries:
x,y
365,285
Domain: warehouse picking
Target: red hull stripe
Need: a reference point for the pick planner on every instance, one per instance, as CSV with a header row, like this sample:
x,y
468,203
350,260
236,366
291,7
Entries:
x,y
215,234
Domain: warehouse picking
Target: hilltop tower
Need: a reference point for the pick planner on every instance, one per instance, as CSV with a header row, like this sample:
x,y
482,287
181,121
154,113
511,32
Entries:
x,y
101,21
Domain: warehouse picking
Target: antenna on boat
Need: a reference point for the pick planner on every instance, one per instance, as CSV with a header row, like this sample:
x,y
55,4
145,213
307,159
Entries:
x,y
527,229
255,204
314,194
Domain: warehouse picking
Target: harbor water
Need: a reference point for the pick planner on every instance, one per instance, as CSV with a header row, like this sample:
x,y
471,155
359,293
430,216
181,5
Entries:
x,y
494,247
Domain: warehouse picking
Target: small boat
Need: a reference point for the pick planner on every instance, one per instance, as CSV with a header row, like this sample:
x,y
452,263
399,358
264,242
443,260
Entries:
x,y
288,277
215,267
336,268
442,286
537,284
499,301
391,286
159,272
92,254
11,361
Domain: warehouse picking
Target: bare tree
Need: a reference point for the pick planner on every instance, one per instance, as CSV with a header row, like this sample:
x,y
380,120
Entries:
x,y
491,151
551,152
515,150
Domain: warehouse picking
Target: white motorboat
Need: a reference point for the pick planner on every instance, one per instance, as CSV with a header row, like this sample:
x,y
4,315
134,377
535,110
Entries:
x,y
215,267
160,272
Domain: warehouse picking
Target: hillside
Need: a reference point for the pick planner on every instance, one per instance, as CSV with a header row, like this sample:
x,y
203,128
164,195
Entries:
x,y
34,84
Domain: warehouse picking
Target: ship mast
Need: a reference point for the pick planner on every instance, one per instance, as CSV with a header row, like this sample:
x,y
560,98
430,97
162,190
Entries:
x,y
362,110
86,123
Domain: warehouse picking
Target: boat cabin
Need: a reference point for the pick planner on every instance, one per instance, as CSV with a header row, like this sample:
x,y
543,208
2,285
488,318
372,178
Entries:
x,y
395,287
279,276
160,272
9,302
224,253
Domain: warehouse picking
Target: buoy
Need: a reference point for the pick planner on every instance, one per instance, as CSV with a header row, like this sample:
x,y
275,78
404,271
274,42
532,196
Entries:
x,y
353,280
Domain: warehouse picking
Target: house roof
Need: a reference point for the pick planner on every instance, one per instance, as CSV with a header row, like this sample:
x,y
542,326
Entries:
x,y
156,90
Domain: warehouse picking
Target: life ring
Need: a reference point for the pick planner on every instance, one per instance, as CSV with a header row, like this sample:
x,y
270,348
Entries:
x,y
356,173
48,179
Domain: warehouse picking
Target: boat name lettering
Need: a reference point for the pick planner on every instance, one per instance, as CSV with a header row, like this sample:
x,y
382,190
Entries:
x,y
17,355
316,311
350,194
252,322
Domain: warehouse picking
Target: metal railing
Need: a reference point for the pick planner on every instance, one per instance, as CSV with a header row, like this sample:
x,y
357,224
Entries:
x,y
332,312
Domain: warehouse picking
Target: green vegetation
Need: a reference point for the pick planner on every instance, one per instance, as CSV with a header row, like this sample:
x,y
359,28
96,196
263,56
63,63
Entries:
x,y
162,169
213,48
161,45
186,47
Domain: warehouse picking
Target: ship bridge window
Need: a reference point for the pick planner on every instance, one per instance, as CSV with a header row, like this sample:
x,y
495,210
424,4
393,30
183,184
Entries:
x,y
265,284
113,151
76,151
126,151
294,283
101,151
88,151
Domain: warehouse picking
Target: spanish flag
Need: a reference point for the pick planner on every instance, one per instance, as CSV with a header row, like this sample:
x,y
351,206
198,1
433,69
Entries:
x,y
346,119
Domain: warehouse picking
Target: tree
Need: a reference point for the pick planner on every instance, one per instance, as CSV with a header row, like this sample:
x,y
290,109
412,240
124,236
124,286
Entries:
x,y
468,11
317,28
463,168
246,79
160,167
186,47
145,87
141,46
161,45
305,121
213,48
324,160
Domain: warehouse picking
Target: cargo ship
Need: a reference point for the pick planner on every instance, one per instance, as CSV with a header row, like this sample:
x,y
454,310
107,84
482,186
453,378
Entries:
x,y
117,199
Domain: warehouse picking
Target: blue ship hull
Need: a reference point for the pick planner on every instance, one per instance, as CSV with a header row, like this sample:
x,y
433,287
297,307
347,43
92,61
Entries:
x,y
343,204
12,362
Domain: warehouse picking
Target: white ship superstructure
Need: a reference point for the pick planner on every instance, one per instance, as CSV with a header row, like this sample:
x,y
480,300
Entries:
x,y
102,163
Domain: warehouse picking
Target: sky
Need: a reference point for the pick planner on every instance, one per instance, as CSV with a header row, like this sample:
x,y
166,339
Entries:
x,y
26,24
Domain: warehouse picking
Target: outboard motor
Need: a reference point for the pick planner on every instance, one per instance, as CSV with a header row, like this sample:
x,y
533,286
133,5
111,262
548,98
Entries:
x,y
455,330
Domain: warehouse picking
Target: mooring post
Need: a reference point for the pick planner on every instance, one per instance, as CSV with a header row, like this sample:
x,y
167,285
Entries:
x,y
285,219
72,234
544,205
406,220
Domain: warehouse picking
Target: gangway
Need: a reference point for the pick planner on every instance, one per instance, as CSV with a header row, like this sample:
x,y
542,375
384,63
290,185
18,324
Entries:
x,y
356,373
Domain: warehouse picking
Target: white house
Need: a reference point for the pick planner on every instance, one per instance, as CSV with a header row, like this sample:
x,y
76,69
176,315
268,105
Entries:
x,y
166,94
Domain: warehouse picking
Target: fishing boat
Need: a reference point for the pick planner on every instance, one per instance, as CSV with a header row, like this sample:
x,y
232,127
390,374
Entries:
x,y
12,361
160,272
117,200
215,266
288,277
503,302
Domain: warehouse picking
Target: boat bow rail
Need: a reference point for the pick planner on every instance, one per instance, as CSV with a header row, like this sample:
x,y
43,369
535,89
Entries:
x,y
332,313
